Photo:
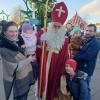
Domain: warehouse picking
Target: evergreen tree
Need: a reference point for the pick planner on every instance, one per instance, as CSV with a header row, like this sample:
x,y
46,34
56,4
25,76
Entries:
x,y
40,5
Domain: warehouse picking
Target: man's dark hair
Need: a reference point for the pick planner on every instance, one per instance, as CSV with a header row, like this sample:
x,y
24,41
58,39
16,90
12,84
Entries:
x,y
93,25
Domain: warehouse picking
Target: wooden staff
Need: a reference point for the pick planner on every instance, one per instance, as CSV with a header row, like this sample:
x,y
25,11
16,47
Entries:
x,y
45,25
47,73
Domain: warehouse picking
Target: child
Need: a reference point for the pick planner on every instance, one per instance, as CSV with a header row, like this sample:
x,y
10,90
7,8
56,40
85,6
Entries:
x,y
76,41
71,68
71,76
64,93
30,49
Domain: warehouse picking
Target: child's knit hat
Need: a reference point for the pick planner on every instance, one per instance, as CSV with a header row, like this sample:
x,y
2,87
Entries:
x,y
72,63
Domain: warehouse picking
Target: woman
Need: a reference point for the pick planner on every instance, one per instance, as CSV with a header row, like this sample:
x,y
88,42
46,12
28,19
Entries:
x,y
17,70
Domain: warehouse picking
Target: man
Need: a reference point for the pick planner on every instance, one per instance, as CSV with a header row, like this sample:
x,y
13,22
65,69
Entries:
x,y
86,64
56,53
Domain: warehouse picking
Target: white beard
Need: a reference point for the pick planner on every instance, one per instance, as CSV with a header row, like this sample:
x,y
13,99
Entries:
x,y
56,37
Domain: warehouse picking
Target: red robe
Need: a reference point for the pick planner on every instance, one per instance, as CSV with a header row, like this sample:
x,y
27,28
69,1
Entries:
x,y
57,69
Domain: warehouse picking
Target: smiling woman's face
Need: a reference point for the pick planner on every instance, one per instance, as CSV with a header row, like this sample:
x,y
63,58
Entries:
x,y
12,33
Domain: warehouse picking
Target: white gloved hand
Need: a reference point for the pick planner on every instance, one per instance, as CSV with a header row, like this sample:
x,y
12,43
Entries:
x,y
44,37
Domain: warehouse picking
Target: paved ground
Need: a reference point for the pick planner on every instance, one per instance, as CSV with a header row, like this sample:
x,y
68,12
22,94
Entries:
x,y
31,94
96,82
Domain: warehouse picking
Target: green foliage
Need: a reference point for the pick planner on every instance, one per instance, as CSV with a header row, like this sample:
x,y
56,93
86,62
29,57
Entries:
x,y
40,5
27,12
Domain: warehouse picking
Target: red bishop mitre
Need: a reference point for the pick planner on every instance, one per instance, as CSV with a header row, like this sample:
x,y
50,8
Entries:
x,y
72,63
59,13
